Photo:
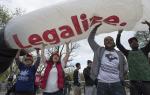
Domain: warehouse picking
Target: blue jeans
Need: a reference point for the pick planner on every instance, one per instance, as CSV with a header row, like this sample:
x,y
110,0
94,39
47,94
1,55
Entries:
x,y
140,87
60,92
110,89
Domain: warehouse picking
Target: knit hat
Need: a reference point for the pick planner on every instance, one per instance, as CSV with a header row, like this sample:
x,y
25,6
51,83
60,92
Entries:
x,y
29,56
131,39
89,61
55,53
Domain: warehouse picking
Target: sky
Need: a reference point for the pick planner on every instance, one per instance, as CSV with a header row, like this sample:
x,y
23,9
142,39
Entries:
x,y
83,53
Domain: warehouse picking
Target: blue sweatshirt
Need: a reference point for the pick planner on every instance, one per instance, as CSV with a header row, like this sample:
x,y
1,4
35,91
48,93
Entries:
x,y
26,77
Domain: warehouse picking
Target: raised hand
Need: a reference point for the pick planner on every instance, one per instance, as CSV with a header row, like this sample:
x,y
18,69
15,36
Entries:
x,y
146,22
120,31
37,50
98,25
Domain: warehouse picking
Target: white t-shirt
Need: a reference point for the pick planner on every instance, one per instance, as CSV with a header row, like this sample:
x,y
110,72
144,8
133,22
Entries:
x,y
109,72
51,85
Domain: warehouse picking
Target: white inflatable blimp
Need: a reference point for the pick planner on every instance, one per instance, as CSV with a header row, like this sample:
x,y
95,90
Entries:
x,y
71,20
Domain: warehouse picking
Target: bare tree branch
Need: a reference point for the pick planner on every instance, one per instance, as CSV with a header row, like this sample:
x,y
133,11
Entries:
x,y
60,49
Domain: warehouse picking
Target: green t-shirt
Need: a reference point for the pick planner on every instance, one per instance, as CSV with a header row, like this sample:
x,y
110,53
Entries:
x,y
139,68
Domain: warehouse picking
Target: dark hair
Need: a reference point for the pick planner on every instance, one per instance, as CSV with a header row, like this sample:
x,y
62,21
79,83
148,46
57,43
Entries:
x,y
131,39
51,57
112,39
29,55
89,61
77,64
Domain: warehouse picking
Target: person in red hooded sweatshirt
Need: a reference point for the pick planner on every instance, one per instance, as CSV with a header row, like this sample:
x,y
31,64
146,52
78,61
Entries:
x,y
53,80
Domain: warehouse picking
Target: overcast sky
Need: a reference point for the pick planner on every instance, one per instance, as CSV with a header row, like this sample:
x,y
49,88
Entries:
x,y
83,53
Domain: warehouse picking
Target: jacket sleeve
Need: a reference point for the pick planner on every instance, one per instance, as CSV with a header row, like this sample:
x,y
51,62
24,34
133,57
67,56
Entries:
x,y
76,78
86,73
91,40
120,46
18,62
125,66
146,49
37,61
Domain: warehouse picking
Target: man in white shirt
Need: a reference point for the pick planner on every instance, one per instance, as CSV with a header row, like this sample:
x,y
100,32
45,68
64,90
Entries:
x,y
109,66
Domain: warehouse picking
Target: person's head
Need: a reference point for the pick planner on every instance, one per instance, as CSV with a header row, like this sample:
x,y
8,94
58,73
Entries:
x,y
89,63
28,60
78,66
133,43
55,57
109,43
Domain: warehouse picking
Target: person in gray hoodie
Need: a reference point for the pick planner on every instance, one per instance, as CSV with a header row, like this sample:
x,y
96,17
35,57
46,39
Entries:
x,y
109,66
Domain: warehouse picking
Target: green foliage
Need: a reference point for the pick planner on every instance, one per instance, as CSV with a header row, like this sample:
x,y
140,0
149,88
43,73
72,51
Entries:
x,y
12,70
5,16
143,37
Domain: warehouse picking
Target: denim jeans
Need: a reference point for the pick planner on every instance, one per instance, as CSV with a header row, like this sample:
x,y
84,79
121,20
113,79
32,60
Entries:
x,y
60,92
24,93
140,88
110,89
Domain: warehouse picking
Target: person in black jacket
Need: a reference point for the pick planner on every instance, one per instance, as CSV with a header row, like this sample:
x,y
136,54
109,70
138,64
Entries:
x,y
139,67
76,79
90,88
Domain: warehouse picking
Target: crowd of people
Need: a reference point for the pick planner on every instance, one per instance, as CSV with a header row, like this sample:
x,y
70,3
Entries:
x,y
105,75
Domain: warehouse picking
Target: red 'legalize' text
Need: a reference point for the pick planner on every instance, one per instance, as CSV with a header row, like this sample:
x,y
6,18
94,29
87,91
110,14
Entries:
x,y
66,31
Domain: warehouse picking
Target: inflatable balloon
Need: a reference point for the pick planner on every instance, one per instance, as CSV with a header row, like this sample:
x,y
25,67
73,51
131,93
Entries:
x,y
70,20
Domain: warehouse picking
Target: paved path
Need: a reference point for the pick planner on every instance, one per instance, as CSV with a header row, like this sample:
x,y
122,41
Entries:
x,y
3,93
71,93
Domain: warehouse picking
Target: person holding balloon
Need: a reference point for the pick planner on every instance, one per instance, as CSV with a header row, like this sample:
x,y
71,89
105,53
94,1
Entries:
x,y
109,66
139,66
52,82
26,77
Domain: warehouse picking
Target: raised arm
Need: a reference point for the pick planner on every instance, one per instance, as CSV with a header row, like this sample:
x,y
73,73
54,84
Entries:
x,y
18,54
43,53
146,49
68,51
91,38
38,59
147,23
17,57
119,45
